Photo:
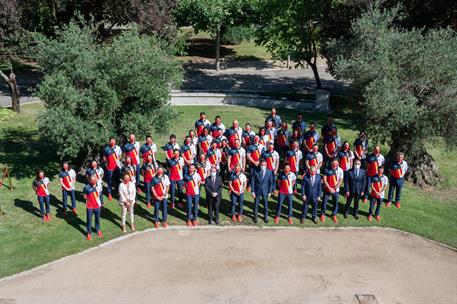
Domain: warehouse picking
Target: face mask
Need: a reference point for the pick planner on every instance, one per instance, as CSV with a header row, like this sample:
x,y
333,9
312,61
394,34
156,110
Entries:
x,y
263,167
357,166
213,174
334,167
313,173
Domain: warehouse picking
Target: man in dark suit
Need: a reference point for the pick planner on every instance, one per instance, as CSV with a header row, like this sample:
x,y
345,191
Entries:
x,y
311,191
213,187
354,186
262,186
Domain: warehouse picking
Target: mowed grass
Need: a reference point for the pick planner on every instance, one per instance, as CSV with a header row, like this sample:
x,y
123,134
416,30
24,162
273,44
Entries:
x,y
201,46
26,242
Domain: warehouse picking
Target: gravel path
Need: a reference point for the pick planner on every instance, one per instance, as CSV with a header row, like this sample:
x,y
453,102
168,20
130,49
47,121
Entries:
x,y
247,266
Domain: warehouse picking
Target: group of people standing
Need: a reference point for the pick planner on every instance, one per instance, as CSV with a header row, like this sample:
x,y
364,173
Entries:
x,y
272,161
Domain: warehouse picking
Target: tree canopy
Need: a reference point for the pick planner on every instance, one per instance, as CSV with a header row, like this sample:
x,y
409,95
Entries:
x,y
291,28
407,82
214,16
93,91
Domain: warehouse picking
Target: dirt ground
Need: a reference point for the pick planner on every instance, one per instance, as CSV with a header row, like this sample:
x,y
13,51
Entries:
x,y
247,266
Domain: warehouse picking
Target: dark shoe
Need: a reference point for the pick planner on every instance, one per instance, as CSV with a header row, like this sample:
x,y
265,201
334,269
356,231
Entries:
x,y
315,220
345,215
266,220
255,220
356,216
209,222
302,221
216,221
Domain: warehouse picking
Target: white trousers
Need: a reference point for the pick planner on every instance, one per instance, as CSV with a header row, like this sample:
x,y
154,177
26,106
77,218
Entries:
x,y
124,213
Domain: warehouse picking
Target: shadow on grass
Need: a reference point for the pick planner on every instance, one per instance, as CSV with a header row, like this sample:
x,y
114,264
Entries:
x,y
25,154
27,206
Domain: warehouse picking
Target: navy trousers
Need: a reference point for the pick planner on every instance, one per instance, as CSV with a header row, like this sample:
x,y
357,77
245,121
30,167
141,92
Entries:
x,y
44,201
96,213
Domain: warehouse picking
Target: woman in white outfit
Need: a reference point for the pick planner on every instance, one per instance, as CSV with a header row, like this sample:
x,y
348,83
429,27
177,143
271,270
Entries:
x,y
127,194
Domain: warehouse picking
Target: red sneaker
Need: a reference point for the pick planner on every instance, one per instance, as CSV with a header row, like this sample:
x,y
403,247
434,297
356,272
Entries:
x,y
110,197
44,219
234,218
397,204
290,221
99,233
156,224
370,217
322,218
365,200
378,218
335,219
139,190
276,219
75,213
239,218
194,223
89,237
188,223
149,205
48,217
388,204
165,224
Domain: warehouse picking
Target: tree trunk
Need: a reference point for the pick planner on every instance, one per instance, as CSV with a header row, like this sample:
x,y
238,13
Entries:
x,y
422,169
313,66
11,81
218,46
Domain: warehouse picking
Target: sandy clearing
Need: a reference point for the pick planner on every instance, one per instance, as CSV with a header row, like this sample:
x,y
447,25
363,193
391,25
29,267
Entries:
x,y
247,266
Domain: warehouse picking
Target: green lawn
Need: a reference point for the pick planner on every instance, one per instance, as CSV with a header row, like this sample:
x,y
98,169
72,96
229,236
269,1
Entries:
x,y
201,46
26,242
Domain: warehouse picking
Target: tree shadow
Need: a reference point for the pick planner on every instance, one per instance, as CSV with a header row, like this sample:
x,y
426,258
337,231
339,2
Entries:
x,y
204,47
25,153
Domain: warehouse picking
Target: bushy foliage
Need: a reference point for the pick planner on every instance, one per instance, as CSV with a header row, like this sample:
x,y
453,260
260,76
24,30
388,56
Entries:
x,y
237,34
407,82
94,91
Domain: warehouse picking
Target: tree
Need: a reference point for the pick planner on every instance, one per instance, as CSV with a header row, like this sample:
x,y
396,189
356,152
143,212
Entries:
x,y
214,16
152,16
9,29
291,27
408,85
93,91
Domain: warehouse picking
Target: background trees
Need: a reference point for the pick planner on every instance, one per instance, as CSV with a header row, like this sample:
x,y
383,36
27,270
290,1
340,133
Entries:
x,y
214,16
292,28
93,91
407,82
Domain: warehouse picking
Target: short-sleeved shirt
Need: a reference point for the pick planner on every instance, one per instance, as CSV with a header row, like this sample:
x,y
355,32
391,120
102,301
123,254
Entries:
x,y
238,180
133,151
294,157
200,125
112,155
378,182
67,178
286,182
192,184
175,171
398,170
147,150
41,186
314,159
160,184
333,177
92,197
148,172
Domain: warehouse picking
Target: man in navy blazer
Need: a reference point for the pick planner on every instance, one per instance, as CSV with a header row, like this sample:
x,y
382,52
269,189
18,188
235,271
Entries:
x,y
262,187
311,191
354,186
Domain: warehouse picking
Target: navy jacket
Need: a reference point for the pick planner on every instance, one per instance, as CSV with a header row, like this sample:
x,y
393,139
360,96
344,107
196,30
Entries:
x,y
312,192
355,185
262,186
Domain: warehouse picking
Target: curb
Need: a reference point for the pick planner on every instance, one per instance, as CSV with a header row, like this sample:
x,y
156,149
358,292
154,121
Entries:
x,y
213,228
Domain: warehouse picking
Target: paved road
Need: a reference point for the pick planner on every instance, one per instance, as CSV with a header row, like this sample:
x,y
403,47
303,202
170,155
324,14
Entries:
x,y
247,266
252,77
